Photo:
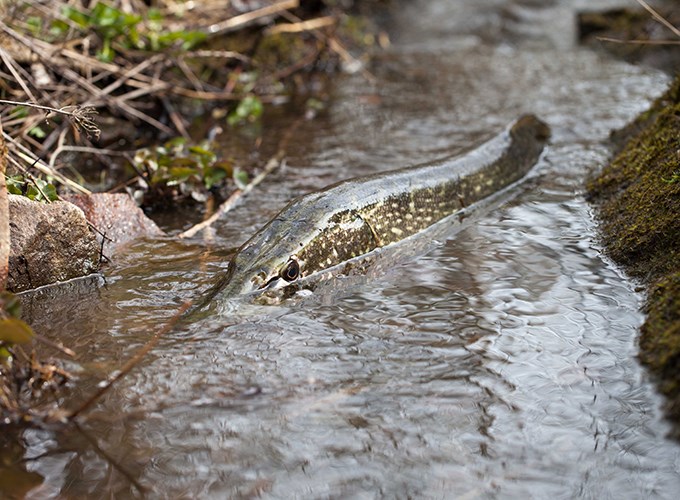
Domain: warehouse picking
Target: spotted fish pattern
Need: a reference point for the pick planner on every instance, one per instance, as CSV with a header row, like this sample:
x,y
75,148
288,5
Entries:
x,y
349,219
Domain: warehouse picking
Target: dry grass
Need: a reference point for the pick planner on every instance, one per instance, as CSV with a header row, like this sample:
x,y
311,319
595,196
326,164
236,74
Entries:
x,y
59,70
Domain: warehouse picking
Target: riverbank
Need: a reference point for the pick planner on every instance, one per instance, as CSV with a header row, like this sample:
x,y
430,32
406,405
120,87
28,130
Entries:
x,y
638,198
122,100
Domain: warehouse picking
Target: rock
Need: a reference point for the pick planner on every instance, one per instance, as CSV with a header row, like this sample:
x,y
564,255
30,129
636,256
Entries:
x,y
49,242
117,216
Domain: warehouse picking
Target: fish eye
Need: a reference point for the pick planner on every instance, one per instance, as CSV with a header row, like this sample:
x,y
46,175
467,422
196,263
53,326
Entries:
x,y
291,271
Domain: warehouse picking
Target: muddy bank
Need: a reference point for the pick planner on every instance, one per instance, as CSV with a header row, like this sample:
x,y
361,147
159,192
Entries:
x,y
638,195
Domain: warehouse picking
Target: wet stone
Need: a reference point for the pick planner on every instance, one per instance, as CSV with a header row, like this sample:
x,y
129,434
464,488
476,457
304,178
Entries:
x,y
48,243
117,216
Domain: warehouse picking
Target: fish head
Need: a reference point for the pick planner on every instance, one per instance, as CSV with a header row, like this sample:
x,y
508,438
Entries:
x,y
259,267
271,260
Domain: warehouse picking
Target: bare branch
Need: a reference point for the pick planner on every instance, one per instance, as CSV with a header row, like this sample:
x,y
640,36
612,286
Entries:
x,y
274,162
659,17
26,155
299,27
4,218
638,42
237,22
132,363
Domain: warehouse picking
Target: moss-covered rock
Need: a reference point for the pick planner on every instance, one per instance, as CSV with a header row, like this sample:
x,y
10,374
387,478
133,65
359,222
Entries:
x,y
660,342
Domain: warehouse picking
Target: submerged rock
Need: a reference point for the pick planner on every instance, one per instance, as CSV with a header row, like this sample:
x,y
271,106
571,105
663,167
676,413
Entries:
x,y
49,242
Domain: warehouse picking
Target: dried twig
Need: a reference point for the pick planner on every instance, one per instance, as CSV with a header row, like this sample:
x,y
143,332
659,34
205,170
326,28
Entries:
x,y
352,64
238,22
80,115
659,17
638,42
9,62
274,163
233,200
299,27
26,155
221,54
4,217
83,149
54,345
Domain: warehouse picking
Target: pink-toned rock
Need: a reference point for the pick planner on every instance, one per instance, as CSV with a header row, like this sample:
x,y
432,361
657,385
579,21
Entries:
x,y
117,216
49,242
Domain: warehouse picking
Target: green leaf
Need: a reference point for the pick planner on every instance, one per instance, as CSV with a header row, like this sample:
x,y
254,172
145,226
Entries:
x,y
250,108
34,24
78,17
240,178
182,161
15,185
105,15
189,39
11,304
36,190
19,112
227,166
37,132
106,53
154,14
177,142
51,192
15,331
182,173
32,192
212,176
58,27
201,151
192,39
159,176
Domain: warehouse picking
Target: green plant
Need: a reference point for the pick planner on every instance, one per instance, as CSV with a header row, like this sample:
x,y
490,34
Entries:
x,y
130,31
249,109
675,177
190,168
12,329
34,188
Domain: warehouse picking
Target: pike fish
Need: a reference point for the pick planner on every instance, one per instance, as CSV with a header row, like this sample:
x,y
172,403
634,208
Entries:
x,y
319,231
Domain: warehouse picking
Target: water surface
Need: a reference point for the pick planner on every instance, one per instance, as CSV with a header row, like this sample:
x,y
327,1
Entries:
x,y
501,364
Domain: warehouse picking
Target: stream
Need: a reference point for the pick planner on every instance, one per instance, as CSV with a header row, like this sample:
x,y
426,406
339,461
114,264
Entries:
x,y
500,364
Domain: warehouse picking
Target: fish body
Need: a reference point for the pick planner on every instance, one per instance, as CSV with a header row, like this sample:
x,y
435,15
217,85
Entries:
x,y
352,218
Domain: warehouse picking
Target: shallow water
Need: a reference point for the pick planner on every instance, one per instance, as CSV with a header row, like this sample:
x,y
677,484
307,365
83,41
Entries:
x,y
501,364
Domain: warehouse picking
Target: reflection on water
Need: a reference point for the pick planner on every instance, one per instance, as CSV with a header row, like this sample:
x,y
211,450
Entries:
x,y
500,364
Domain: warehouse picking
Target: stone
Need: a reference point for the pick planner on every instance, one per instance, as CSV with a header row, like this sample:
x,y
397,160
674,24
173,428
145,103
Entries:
x,y
49,242
117,216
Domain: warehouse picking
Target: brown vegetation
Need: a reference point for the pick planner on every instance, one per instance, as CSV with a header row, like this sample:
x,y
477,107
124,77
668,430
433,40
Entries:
x,y
75,75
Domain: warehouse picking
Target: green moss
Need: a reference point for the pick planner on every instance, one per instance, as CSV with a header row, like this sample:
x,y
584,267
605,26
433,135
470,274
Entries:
x,y
639,211
660,341
640,214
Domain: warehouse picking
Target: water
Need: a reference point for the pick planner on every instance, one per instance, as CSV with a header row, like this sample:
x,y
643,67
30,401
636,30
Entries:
x,y
501,364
